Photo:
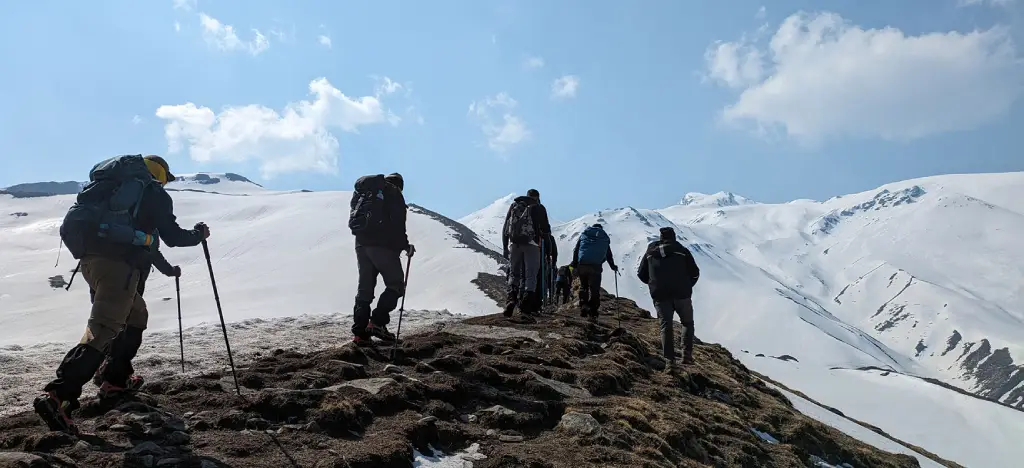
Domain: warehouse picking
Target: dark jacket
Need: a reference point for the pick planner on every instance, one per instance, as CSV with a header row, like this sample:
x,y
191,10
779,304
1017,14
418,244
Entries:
x,y
551,250
564,274
161,264
669,269
156,216
608,257
395,235
541,225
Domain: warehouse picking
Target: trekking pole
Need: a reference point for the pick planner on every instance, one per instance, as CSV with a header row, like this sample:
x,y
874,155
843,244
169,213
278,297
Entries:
x,y
223,327
401,308
73,273
616,284
181,336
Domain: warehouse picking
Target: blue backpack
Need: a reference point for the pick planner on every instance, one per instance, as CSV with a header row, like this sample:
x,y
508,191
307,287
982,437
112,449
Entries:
x,y
107,207
594,244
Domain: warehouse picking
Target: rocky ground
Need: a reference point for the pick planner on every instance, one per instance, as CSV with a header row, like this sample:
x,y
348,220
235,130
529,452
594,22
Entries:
x,y
554,392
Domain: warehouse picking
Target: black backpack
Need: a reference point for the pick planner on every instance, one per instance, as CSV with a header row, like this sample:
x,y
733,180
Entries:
x,y
368,214
107,207
520,228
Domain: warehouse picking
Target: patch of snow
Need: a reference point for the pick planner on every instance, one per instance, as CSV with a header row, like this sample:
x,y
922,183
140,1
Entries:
x,y
462,459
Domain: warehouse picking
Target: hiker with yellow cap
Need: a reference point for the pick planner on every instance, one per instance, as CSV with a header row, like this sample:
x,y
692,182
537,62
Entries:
x,y
113,230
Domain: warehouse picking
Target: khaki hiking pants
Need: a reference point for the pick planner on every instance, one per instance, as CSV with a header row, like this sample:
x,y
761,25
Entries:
x,y
115,303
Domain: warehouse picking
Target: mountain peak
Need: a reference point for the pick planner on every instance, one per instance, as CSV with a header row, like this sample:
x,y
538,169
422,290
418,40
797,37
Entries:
x,y
716,199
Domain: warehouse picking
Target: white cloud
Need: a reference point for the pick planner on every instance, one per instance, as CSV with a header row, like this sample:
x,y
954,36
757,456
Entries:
x,y
136,120
386,86
509,131
565,87
224,37
534,62
761,13
734,64
821,77
324,41
298,138
177,26
187,5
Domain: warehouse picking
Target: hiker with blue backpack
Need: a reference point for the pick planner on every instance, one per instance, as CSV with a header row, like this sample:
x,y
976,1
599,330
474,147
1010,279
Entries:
x,y
112,229
592,249
522,238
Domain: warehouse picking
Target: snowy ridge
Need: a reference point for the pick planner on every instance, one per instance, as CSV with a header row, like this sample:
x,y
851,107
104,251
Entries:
x,y
225,183
720,199
922,277
488,222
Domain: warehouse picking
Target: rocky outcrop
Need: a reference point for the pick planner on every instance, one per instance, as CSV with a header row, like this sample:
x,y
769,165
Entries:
x,y
555,392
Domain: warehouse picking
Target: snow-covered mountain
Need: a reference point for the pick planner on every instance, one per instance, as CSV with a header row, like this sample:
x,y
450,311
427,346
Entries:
x,y
42,189
921,279
226,183
488,222
697,199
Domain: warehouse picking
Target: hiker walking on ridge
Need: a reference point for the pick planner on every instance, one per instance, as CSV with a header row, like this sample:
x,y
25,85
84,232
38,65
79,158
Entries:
x,y
671,272
378,221
526,224
563,284
112,230
592,249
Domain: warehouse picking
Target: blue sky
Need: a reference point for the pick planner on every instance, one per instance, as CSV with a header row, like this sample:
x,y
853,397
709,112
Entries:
x,y
596,103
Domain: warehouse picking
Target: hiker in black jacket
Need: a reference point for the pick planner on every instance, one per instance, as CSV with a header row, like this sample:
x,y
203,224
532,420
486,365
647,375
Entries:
x,y
114,271
670,271
563,284
378,252
526,223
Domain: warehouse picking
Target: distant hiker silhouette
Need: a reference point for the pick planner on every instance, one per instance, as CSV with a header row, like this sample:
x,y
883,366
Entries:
x,y
112,229
670,271
378,221
526,226
592,249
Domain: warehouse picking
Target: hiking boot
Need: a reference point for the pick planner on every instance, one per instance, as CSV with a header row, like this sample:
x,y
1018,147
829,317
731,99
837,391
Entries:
x,y
109,390
97,378
380,332
362,341
55,413
509,309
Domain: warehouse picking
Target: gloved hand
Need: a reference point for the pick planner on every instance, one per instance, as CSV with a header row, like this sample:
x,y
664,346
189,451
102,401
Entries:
x,y
203,229
175,272
411,249
614,268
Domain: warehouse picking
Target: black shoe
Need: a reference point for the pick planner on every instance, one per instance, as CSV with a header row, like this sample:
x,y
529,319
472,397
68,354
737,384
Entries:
x,y
509,310
55,413
380,331
97,378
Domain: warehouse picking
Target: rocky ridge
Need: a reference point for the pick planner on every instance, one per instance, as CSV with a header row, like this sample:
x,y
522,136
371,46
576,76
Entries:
x,y
551,392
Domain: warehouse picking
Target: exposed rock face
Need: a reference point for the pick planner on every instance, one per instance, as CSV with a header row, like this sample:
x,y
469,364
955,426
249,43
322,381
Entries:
x,y
559,392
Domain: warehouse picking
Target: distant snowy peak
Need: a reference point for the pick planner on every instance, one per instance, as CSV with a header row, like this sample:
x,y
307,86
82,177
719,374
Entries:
x,y
43,189
487,222
719,199
228,183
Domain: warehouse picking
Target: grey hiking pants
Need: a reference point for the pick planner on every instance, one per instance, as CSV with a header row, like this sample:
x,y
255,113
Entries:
x,y
524,260
372,261
666,310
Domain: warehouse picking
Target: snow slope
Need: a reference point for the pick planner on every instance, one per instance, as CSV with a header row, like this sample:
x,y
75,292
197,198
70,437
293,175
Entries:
x,y
922,277
274,255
